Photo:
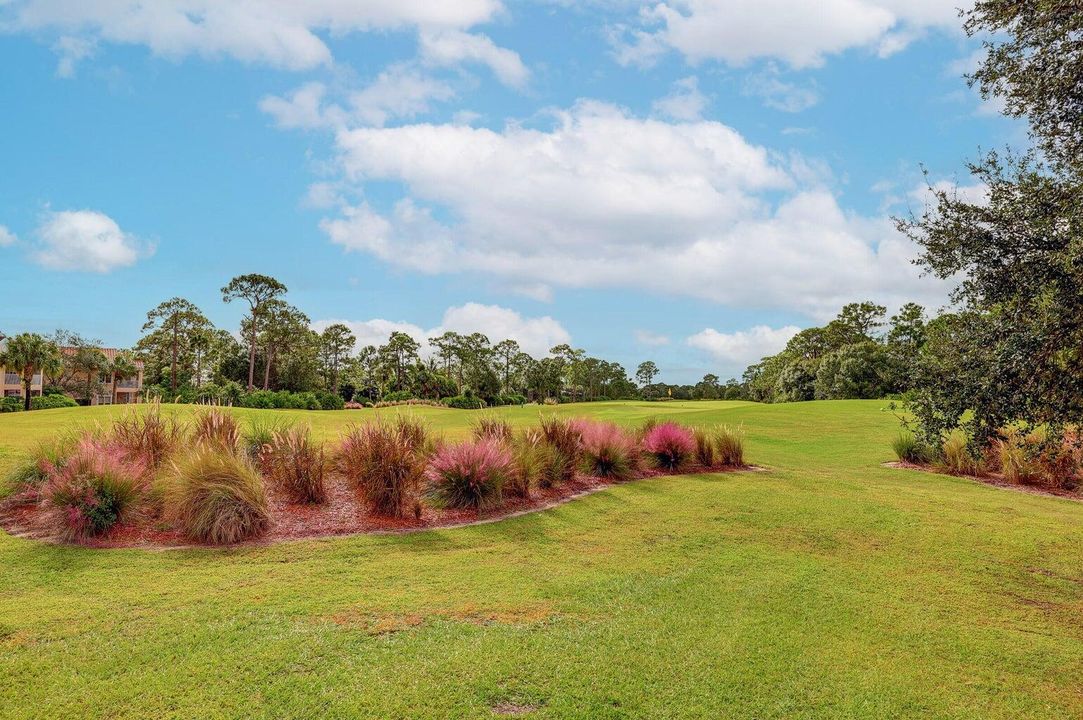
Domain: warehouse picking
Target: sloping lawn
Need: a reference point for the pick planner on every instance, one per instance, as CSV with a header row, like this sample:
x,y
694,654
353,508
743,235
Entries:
x,y
828,587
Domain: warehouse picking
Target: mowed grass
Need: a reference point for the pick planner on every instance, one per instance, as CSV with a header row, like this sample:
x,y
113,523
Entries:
x,y
828,587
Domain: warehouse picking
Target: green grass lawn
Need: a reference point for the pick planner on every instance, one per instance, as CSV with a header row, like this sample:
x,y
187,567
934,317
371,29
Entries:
x,y
829,587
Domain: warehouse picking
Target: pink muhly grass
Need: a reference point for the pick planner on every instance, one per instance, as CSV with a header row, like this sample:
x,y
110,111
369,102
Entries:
x,y
608,451
471,474
671,445
92,489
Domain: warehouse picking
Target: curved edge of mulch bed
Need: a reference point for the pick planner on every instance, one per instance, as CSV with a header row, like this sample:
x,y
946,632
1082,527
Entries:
x,y
996,481
20,519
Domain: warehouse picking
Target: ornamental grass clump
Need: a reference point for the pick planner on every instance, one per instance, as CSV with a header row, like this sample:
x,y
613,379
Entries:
x,y
670,445
729,446
30,473
705,446
909,449
492,427
955,457
469,475
563,436
217,427
531,460
146,436
608,451
295,465
216,496
91,490
385,464
259,433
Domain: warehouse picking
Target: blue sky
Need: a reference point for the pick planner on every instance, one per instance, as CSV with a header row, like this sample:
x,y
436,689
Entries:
x,y
688,182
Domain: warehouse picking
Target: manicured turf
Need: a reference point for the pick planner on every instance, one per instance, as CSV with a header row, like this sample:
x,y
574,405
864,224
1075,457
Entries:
x,y
829,587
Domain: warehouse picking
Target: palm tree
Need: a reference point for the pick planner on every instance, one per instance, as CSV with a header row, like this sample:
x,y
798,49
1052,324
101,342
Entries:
x,y
123,366
29,354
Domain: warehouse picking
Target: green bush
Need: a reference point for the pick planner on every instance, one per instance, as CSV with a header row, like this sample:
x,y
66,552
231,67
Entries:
x,y
464,402
399,396
329,400
11,404
909,449
52,402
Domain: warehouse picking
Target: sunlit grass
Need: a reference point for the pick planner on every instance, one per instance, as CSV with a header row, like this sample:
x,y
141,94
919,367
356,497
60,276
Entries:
x,y
829,587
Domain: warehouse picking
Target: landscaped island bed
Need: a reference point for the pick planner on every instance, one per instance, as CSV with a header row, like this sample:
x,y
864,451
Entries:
x,y
829,587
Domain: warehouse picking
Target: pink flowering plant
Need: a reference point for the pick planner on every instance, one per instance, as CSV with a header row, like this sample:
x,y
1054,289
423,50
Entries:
x,y
671,445
469,475
608,451
92,490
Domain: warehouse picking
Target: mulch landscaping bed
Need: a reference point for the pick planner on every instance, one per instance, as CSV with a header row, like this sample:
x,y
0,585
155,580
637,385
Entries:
x,y
994,480
342,514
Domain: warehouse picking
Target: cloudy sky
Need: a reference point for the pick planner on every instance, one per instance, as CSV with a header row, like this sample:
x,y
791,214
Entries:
x,y
689,181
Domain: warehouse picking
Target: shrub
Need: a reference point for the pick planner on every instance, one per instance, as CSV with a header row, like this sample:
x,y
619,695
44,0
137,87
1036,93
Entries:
x,y
908,448
955,457
91,490
358,404
217,427
11,404
607,451
296,465
385,463
262,399
329,400
259,433
33,470
464,402
411,401
705,446
492,427
730,446
564,437
531,460
550,401
399,396
146,436
52,402
215,496
470,475
671,445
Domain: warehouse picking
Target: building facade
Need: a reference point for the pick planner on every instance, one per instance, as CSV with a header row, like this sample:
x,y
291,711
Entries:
x,y
112,390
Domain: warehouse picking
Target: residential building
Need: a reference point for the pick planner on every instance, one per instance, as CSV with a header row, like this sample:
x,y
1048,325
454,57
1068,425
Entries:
x,y
119,391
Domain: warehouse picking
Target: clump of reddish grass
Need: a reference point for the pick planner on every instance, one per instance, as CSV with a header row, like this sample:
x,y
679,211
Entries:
x,y
492,427
564,437
217,427
1036,456
955,457
670,444
296,465
213,495
30,473
146,436
385,463
92,489
608,451
470,475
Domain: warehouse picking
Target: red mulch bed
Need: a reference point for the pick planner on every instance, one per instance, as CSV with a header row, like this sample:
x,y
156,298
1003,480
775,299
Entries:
x,y
342,514
994,480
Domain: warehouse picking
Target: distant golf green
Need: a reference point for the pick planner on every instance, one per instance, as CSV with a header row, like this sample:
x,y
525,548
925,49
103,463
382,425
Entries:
x,y
827,587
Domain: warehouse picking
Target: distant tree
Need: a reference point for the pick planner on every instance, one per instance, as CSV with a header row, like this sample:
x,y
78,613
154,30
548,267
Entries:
x,y
174,323
506,351
257,290
646,372
30,354
336,343
397,355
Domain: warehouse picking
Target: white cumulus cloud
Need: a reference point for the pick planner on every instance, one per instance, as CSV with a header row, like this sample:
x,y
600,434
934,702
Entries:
x,y
685,102
737,350
7,237
605,199
281,33
86,240
798,32
453,47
